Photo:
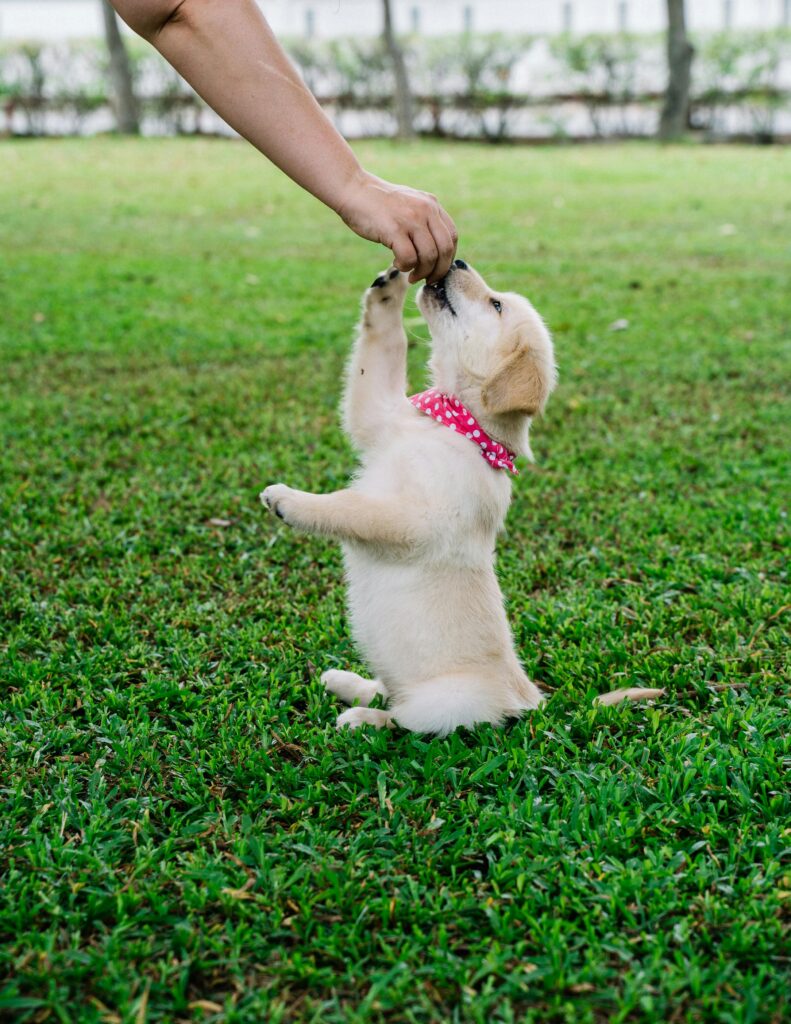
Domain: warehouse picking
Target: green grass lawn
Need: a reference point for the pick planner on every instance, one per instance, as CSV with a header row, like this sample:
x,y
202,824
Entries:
x,y
184,836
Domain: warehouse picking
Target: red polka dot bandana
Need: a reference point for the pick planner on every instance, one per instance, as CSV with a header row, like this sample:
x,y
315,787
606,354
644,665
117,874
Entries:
x,y
449,411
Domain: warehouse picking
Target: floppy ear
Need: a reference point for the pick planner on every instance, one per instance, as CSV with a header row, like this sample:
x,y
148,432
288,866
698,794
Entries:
x,y
519,384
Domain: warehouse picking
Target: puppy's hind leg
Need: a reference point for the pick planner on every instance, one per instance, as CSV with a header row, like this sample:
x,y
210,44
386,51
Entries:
x,y
350,687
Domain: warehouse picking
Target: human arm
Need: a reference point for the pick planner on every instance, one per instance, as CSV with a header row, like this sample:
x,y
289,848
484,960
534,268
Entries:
x,y
229,55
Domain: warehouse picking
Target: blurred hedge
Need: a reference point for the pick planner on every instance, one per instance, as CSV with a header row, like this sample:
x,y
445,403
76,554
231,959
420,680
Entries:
x,y
468,85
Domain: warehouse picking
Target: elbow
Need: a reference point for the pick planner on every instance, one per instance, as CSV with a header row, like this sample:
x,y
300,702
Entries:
x,y
149,17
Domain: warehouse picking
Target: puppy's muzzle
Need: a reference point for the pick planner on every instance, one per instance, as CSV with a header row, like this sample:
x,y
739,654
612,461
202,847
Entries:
x,y
439,289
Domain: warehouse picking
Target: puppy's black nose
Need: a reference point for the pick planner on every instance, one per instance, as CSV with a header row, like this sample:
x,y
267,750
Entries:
x,y
460,264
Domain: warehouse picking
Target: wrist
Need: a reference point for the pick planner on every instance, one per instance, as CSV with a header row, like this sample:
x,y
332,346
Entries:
x,y
351,195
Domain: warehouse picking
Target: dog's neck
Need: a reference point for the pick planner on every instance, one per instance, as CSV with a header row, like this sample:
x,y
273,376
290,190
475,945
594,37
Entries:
x,y
510,429
451,412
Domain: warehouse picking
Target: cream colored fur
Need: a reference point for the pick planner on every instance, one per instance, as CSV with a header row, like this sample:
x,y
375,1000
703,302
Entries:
x,y
419,522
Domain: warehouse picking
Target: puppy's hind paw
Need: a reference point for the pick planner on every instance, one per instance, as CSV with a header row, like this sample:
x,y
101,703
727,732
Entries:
x,y
350,687
357,716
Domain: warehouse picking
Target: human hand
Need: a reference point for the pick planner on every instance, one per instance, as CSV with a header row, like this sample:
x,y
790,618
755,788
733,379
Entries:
x,y
411,223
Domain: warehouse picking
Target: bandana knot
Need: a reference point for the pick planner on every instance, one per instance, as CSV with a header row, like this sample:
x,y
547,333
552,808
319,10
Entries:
x,y
449,411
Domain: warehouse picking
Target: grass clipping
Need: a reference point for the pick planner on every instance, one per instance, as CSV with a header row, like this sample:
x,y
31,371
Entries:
x,y
628,693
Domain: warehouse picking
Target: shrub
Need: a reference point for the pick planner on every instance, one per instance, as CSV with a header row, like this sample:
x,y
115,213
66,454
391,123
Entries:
x,y
472,76
603,71
464,85
24,77
740,68
77,81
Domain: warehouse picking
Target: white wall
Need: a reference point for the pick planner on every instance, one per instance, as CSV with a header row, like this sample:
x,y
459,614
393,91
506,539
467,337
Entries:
x,y
69,19
49,19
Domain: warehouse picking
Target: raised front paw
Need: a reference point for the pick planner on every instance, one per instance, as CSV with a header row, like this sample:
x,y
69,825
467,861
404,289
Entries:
x,y
389,288
280,500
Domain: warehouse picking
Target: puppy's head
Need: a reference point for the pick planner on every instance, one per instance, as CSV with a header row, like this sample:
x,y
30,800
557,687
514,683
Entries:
x,y
491,349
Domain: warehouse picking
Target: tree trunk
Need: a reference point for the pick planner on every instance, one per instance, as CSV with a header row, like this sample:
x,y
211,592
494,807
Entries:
x,y
124,102
403,96
675,112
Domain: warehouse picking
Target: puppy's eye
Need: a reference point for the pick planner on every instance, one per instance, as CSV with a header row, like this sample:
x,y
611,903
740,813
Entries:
x,y
497,305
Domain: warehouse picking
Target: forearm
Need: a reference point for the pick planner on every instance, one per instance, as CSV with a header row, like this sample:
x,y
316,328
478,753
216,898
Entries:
x,y
227,52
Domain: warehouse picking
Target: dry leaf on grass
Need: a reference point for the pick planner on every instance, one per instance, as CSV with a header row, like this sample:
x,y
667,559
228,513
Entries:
x,y
628,693
240,894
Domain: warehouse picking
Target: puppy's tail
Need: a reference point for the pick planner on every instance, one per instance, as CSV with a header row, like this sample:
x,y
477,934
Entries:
x,y
445,703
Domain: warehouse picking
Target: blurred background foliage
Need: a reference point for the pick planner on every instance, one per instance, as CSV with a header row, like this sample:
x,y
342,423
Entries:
x,y
464,86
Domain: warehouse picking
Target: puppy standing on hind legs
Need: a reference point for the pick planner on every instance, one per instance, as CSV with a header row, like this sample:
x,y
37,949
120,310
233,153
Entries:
x,y
419,522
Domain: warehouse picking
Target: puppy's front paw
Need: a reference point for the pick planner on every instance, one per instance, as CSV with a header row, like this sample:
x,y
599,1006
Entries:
x,y
389,288
278,499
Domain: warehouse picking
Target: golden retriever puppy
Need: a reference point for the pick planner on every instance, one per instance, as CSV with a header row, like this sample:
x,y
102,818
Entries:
x,y
418,523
